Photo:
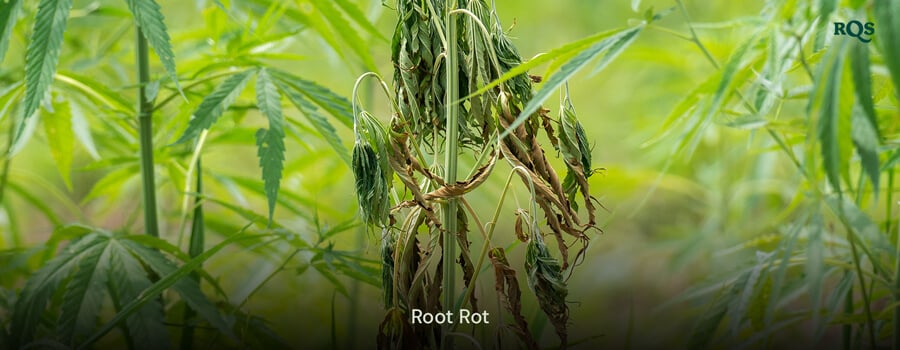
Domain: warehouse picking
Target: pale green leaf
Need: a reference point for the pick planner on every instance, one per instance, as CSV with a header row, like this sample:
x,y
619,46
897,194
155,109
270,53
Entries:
x,y
214,105
150,20
271,141
359,17
82,130
610,47
61,139
828,85
8,14
43,51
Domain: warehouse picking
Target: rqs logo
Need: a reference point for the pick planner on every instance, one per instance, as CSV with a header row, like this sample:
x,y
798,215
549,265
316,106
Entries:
x,y
856,29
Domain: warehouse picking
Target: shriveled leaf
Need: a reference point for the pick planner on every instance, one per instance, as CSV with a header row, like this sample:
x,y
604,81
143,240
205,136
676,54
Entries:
x,y
271,141
43,52
150,20
215,104
8,14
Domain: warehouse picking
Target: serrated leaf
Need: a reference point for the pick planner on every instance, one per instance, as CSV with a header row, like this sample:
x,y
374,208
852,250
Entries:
x,y
8,14
271,141
84,295
318,121
215,104
150,294
40,288
61,139
887,15
150,20
187,288
43,52
128,282
609,48
336,105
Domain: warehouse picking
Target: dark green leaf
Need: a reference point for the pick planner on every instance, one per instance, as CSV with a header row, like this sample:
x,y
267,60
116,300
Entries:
x,y
316,119
43,52
84,294
271,141
215,104
149,18
887,16
128,282
828,85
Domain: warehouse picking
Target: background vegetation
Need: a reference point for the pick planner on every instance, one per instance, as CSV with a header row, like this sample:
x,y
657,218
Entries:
x,y
749,173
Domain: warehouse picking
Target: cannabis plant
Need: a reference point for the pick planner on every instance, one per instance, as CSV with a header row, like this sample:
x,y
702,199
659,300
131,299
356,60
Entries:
x,y
461,88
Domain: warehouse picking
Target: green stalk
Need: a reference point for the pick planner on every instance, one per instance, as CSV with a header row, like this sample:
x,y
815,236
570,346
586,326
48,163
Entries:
x,y
450,161
896,282
145,128
195,248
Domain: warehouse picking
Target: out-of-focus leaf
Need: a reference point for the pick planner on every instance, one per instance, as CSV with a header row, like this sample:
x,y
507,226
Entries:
x,y
8,15
82,130
345,31
866,136
61,139
887,15
609,48
43,52
84,296
826,105
271,141
336,105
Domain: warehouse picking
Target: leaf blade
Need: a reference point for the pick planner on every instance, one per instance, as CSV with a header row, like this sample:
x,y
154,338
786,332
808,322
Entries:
x,y
270,142
42,54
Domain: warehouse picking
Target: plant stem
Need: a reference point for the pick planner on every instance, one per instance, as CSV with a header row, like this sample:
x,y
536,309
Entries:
x,y
145,129
195,248
450,161
896,281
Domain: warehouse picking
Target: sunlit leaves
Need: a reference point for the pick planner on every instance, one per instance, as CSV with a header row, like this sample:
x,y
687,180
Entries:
x,y
43,51
271,141
61,138
149,18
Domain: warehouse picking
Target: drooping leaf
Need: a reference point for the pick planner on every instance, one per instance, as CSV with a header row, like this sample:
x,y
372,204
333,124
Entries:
x,y
61,138
887,15
43,52
609,48
353,11
150,20
345,31
866,136
828,85
318,121
215,104
271,141
8,15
